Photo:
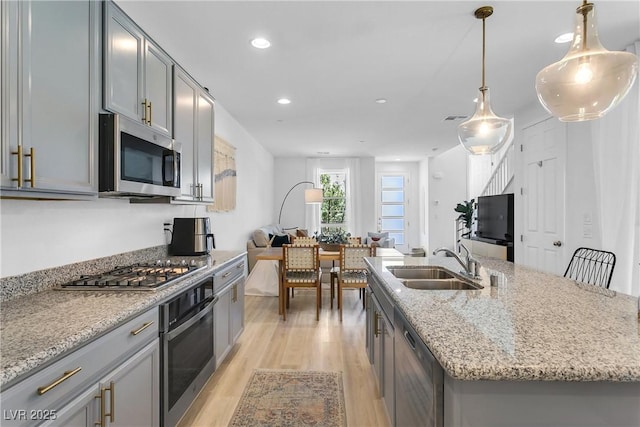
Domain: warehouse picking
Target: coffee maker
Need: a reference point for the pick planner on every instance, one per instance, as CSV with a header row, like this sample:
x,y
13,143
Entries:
x,y
191,236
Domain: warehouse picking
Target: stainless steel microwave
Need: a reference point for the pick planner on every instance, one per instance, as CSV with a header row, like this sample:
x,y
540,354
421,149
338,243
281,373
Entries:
x,y
135,160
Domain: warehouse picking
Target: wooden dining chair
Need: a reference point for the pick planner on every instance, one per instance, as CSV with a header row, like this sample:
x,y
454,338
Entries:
x,y
333,273
353,270
304,241
301,270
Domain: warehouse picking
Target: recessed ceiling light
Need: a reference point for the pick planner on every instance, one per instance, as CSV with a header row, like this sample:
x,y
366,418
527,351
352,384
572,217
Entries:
x,y
397,160
564,38
381,101
260,43
284,101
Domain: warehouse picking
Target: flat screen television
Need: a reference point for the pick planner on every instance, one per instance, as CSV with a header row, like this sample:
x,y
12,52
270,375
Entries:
x,y
495,218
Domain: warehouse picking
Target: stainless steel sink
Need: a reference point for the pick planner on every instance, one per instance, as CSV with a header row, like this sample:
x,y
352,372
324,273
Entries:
x,y
440,284
420,273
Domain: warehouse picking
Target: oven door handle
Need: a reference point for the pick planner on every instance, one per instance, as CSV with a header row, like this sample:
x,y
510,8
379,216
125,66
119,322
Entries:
x,y
172,334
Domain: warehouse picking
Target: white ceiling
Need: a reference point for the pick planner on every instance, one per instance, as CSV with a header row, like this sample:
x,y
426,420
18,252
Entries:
x,y
333,59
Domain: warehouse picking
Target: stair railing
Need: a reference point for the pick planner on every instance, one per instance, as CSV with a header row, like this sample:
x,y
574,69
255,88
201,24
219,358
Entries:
x,y
502,174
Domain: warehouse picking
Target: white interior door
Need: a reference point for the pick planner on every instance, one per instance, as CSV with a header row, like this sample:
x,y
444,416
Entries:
x,y
393,207
544,149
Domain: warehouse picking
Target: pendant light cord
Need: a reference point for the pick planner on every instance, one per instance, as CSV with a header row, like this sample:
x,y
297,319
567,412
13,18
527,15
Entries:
x,y
584,9
483,13
483,88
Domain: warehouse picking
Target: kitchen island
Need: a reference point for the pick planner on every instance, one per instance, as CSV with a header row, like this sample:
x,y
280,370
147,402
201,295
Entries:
x,y
535,350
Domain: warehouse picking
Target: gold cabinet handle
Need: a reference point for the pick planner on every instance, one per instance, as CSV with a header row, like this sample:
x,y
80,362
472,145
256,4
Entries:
x,y
235,293
150,111
376,317
141,328
64,377
225,275
19,154
32,165
102,421
144,111
112,402
112,406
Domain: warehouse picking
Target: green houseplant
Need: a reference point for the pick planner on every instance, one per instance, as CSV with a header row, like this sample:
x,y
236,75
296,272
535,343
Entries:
x,y
330,240
466,209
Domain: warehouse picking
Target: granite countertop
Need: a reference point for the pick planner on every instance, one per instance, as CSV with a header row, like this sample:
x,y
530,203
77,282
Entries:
x,y
39,328
532,326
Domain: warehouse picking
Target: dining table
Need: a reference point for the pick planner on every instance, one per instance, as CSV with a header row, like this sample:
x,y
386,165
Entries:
x,y
276,253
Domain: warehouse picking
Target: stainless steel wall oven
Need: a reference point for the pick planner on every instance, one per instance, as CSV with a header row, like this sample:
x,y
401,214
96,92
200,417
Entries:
x,y
187,357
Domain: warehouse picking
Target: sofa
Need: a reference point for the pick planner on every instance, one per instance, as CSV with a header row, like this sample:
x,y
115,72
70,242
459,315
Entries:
x,y
381,240
261,239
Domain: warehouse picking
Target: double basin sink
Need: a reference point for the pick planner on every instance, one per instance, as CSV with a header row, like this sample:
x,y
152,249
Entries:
x,y
431,278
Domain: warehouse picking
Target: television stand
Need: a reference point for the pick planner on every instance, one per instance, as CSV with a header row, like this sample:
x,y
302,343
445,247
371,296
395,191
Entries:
x,y
501,250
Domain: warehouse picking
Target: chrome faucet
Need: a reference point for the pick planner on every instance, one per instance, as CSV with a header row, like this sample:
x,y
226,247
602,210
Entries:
x,y
470,264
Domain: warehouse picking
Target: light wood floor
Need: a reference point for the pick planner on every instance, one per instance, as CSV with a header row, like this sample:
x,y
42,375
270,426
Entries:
x,y
299,343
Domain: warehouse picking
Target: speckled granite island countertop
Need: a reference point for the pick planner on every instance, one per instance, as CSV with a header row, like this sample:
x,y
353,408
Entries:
x,y
39,328
533,326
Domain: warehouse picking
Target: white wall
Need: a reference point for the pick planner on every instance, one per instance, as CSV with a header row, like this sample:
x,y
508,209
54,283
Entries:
x,y
42,234
291,170
447,188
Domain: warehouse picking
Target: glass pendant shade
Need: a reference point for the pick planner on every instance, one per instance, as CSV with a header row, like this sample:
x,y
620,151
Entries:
x,y
484,133
590,80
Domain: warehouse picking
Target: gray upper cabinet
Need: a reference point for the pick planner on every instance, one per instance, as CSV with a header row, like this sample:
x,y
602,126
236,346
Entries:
x,y
137,73
194,130
49,53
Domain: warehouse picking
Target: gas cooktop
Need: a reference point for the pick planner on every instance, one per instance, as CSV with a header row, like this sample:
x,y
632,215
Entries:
x,y
137,277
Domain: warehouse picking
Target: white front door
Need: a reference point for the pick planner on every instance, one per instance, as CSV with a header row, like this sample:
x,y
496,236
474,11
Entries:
x,y
393,206
543,191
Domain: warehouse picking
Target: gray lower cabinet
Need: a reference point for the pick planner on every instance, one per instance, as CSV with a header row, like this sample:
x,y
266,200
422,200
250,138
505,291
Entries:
x,y
380,339
113,380
228,311
49,60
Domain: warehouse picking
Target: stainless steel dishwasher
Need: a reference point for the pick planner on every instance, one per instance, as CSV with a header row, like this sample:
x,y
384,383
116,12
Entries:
x,y
419,379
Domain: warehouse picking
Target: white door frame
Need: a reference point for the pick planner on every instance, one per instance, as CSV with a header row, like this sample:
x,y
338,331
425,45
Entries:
x,y
406,246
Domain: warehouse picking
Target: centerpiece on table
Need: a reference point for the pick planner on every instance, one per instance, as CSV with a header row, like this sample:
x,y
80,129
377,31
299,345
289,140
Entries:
x,y
331,240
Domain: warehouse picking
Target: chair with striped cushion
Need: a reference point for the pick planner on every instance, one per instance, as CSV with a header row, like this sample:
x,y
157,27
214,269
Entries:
x,y
353,270
301,270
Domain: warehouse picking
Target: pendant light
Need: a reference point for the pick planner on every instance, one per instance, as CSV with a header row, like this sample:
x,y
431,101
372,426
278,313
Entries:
x,y
590,80
484,133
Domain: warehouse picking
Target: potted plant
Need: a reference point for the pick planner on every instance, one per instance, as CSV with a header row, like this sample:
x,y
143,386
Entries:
x,y
331,240
466,209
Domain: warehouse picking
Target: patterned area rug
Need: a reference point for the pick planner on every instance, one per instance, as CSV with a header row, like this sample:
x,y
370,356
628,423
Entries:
x,y
291,398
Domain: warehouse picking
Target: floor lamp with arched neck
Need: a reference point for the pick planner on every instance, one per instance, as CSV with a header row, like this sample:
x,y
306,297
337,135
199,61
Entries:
x,y
311,196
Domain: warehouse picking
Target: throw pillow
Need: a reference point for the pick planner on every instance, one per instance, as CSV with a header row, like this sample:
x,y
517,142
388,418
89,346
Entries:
x,y
379,235
278,240
379,241
301,232
260,238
